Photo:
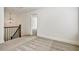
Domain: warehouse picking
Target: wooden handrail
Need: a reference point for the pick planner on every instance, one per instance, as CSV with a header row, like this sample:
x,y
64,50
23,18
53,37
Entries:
x,y
12,32
11,27
18,29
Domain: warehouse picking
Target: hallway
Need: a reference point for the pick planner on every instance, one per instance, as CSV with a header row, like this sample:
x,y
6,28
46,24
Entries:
x,y
54,24
33,43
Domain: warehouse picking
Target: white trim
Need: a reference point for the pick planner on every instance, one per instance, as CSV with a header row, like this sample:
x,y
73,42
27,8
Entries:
x,y
60,39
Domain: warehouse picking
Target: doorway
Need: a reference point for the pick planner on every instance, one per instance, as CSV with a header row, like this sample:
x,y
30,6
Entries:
x,y
34,24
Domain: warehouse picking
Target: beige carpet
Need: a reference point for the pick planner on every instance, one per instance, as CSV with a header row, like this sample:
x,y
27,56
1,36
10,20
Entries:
x,y
33,43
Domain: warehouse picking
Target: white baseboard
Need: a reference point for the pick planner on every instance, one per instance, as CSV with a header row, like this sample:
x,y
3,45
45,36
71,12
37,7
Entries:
x,y
1,42
25,34
60,39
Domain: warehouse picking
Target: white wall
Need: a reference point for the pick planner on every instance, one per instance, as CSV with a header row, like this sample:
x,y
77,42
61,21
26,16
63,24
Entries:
x,y
18,18
58,23
1,24
15,18
26,21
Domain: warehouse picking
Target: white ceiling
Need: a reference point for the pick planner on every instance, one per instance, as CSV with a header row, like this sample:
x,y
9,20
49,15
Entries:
x,y
21,9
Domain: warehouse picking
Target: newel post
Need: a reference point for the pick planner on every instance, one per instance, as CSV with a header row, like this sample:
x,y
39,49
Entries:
x,y
19,30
